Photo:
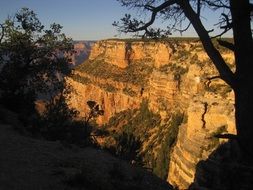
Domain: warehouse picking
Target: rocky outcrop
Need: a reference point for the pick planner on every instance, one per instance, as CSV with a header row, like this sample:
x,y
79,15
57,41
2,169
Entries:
x,y
196,141
110,102
123,53
209,108
113,52
179,80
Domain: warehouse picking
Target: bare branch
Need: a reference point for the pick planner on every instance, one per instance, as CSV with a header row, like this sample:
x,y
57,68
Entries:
x,y
225,73
183,30
149,7
226,136
228,25
221,34
2,32
198,7
134,25
184,8
209,80
217,4
213,77
227,44
154,13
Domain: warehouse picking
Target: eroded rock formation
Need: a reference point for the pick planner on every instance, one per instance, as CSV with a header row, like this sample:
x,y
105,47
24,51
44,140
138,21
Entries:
x,y
123,53
174,76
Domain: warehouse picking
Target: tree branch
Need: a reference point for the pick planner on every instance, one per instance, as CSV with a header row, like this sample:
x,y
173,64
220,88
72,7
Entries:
x,y
226,136
209,79
221,34
2,33
226,44
155,10
183,30
198,7
216,5
228,26
225,73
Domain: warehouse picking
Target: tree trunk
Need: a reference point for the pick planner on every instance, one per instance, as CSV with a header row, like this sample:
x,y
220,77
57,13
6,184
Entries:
x,y
240,11
244,118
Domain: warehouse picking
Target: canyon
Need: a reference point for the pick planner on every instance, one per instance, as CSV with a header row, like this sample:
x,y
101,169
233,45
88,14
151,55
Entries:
x,y
82,51
153,90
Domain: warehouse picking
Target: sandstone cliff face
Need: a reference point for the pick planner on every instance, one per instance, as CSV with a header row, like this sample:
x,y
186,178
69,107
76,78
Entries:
x,y
111,102
178,81
122,54
210,111
113,52
206,117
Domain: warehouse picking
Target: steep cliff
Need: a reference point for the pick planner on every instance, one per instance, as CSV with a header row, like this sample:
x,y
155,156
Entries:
x,y
82,51
174,79
123,53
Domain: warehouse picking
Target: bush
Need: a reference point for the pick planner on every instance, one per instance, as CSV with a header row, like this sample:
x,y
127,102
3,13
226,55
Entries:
x,y
58,123
136,73
161,164
129,92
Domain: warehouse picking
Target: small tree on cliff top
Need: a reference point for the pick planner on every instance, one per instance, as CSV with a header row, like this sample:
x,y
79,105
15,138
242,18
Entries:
x,y
236,16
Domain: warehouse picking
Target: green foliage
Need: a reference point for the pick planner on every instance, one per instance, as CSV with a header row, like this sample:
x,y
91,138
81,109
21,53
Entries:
x,y
32,59
195,60
161,164
139,135
129,92
129,140
221,89
134,127
80,79
183,54
135,73
59,122
127,146
100,69
175,69
108,87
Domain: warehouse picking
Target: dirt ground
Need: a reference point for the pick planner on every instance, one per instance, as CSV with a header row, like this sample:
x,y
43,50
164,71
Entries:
x,y
33,164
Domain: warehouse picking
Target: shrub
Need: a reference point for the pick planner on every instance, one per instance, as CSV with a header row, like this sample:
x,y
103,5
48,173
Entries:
x,y
136,73
161,164
129,92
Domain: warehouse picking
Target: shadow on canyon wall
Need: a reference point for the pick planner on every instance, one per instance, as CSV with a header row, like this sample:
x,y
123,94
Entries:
x,y
226,168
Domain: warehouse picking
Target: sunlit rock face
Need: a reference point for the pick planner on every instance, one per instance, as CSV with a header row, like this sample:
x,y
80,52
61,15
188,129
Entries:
x,y
110,102
113,52
173,76
122,53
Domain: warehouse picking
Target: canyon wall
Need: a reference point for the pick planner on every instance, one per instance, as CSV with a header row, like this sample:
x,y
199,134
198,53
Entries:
x,y
82,51
174,76
123,53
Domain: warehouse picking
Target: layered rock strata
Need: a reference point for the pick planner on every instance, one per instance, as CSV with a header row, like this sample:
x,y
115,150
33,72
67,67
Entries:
x,y
122,53
178,81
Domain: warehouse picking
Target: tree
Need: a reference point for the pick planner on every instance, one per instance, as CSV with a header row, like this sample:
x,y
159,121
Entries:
x,y
236,16
33,60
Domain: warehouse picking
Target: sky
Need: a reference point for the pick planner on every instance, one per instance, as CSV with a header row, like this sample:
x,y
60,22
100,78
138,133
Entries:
x,y
81,19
